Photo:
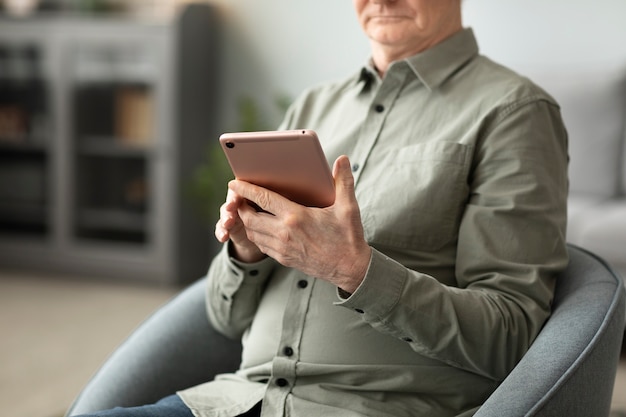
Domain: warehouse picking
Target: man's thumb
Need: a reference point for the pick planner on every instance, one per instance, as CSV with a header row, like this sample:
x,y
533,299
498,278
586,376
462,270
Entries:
x,y
344,181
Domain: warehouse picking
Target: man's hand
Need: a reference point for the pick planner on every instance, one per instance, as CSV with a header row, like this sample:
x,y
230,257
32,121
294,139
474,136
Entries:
x,y
230,226
327,243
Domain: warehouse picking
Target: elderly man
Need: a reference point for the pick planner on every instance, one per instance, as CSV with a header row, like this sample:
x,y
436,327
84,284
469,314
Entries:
x,y
426,281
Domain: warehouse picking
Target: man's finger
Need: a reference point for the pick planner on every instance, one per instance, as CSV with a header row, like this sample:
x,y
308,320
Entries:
x,y
265,199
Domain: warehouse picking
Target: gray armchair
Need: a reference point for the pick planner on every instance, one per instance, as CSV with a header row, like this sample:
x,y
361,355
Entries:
x,y
569,370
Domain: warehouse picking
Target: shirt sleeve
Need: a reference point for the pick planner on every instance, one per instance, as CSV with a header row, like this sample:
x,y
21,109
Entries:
x,y
511,244
233,292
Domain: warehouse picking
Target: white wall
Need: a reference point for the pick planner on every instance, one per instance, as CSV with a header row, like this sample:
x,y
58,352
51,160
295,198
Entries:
x,y
559,33
276,46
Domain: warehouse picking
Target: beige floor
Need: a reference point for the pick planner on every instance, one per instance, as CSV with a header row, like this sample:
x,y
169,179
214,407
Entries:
x,y
619,393
55,332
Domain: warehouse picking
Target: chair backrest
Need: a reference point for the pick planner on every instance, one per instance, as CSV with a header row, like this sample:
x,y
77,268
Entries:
x,y
570,368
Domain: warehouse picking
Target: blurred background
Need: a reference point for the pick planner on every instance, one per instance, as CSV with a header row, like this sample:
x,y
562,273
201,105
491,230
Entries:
x,y
109,175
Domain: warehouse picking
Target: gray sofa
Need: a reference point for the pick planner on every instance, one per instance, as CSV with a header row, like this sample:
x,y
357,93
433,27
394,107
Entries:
x,y
593,105
568,371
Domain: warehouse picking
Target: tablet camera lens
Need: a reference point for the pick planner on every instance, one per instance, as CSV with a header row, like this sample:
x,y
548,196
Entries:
x,y
230,145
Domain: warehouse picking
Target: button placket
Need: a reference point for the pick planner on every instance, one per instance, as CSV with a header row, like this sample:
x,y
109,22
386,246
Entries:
x,y
284,364
378,110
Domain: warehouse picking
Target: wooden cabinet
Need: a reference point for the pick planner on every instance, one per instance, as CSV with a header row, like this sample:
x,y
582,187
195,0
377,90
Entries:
x,y
102,122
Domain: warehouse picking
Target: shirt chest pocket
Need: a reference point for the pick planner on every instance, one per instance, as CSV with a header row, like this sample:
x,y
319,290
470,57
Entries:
x,y
415,196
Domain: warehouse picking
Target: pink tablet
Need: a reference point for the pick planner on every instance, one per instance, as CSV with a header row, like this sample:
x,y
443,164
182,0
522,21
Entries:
x,y
289,162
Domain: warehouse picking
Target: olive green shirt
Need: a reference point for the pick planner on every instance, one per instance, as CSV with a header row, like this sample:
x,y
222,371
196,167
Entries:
x,y
461,176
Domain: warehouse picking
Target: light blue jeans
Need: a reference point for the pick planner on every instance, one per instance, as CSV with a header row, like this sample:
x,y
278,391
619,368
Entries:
x,y
171,406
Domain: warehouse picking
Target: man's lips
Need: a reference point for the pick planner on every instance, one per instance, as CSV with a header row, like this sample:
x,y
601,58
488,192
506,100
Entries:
x,y
388,17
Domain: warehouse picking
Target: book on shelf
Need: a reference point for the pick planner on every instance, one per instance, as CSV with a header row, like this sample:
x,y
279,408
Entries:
x,y
134,115
13,123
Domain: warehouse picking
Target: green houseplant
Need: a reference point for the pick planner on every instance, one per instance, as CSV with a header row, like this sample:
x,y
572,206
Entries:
x,y
208,184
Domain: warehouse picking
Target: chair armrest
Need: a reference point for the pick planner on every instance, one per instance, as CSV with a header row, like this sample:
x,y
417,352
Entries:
x,y
173,349
570,368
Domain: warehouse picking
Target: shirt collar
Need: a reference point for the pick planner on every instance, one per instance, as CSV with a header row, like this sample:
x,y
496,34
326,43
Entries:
x,y
434,65
367,74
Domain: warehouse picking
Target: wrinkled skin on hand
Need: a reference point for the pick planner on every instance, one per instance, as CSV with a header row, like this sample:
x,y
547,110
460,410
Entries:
x,y
326,243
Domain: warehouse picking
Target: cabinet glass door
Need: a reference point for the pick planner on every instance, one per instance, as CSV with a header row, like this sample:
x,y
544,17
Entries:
x,y
24,141
114,136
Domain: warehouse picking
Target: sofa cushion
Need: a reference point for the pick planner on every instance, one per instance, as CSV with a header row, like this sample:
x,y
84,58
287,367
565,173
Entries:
x,y
593,106
580,207
601,228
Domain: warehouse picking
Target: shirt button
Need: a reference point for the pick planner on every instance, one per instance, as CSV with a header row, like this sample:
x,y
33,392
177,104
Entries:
x,y
358,310
254,272
355,167
379,108
288,351
282,382
224,297
303,283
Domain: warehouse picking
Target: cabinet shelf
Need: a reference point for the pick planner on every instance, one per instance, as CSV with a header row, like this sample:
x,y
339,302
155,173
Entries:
x,y
115,114
23,202
114,219
108,83
23,110
22,145
23,218
103,146
22,212
112,224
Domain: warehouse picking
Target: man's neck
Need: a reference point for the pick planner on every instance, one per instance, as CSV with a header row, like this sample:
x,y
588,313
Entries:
x,y
384,55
